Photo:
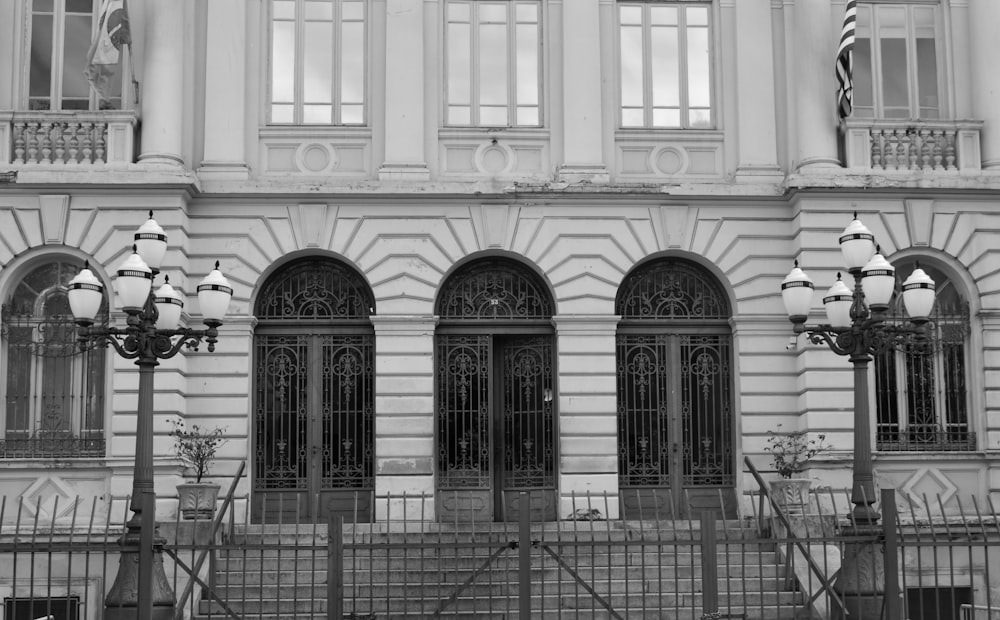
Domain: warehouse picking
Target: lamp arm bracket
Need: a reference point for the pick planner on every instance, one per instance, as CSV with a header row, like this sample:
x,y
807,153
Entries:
x,y
838,341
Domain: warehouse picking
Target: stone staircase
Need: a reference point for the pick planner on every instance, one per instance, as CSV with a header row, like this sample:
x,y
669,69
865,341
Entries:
x,y
281,572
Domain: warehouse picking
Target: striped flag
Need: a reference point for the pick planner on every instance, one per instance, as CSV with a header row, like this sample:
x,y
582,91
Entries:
x,y
106,50
845,62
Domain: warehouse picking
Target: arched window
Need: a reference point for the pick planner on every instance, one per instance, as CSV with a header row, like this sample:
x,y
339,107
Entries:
x,y
53,392
921,393
675,392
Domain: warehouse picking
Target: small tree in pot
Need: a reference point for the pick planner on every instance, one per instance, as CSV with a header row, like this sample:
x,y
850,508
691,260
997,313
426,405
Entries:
x,y
791,453
196,448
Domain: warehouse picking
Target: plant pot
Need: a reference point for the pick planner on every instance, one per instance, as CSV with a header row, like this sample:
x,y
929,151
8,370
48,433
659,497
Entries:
x,y
791,494
197,499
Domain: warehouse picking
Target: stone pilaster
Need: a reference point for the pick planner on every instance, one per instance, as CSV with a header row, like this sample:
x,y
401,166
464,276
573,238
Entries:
x,y
225,91
984,15
588,421
404,415
811,55
754,67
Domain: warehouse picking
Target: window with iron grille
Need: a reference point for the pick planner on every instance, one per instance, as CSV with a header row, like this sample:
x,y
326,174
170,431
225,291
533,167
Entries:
x,y
665,65
318,62
59,36
53,392
493,63
921,390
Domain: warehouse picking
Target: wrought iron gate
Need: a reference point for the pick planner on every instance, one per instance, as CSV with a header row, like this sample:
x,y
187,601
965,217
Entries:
x,y
314,394
495,384
674,385
496,426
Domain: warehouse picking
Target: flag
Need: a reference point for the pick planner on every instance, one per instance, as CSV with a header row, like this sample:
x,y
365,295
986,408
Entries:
x,y
845,62
106,50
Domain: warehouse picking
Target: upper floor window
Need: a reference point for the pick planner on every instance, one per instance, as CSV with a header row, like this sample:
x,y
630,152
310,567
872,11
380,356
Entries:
x,y
665,65
897,68
493,63
53,394
318,62
60,34
921,392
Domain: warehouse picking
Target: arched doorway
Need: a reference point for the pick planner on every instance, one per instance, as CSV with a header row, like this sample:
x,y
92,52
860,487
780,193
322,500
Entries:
x,y
675,392
314,394
495,382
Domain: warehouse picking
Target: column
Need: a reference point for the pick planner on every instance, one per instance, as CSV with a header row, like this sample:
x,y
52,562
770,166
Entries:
x,y
984,15
812,53
404,92
162,84
757,143
582,130
588,419
225,92
404,416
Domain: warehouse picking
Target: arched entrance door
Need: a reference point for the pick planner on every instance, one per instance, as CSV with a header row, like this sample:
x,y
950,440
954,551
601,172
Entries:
x,y
495,394
313,415
675,392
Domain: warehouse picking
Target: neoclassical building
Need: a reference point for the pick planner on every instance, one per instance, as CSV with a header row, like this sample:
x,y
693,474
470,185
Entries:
x,y
480,247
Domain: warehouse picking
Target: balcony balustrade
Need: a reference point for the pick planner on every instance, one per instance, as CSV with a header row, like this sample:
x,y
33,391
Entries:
x,y
913,146
67,138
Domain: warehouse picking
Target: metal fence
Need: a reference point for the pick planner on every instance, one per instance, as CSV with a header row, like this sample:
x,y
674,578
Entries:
x,y
59,559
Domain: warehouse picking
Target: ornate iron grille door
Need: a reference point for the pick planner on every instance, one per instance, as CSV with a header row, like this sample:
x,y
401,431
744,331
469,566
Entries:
x,y
526,426
496,426
675,423
313,426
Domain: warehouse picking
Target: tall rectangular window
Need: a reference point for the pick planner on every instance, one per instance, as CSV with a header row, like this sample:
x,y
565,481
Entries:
x,y
493,63
896,69
60,33
665,68
318,66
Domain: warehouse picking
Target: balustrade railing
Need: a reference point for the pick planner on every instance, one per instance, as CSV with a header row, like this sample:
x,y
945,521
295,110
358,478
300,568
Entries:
x,y
913,146
67,138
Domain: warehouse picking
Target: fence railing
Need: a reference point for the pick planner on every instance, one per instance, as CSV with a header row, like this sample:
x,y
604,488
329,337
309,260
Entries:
x,y
59,559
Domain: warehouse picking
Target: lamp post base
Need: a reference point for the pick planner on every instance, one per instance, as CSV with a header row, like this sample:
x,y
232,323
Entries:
x,y
122,601
861,583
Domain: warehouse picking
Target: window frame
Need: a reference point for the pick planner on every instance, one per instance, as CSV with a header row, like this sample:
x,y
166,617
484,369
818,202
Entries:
x,y
683,68
954,435
512,105
36,440
298,102
867,26
57,67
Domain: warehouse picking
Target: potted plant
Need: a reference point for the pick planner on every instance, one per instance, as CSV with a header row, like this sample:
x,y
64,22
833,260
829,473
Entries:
x,y
790,453
196,448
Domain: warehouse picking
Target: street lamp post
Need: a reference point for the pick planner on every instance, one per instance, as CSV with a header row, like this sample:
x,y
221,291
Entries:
x,y
857,329
151,333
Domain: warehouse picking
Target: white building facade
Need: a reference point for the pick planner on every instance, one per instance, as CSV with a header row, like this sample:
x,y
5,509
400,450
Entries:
x,y
486,246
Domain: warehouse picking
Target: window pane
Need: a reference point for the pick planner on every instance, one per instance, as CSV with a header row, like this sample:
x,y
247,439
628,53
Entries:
x,y
665,67
353,10
352,50
318,63
527,115
699,78
631,66
352,114
663,15
317,114
864,105
492,13
630,15
283,62
700,118
493,116
40,80
666,117
895,90
79,6
459,64
459,115
282,113
927,78
283,9
527,13
492,63
527,64
321,10
76,45
633,117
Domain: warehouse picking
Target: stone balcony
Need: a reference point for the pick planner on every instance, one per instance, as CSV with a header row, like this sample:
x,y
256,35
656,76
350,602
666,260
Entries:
x,y
928,147
79,140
